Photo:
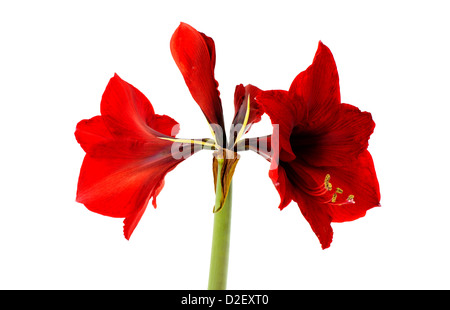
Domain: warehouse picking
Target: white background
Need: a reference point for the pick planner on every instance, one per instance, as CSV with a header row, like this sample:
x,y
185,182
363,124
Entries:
x,y
55,61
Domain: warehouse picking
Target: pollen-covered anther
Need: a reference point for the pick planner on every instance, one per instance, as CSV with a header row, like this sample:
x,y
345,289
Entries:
x,y
333,199
350,199
327,184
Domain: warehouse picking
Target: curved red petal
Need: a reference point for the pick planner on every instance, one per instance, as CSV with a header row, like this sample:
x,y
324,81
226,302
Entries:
x,y
125,110
318,218
131,221
310,105
282,185
317,88
128,122
195,56
280,107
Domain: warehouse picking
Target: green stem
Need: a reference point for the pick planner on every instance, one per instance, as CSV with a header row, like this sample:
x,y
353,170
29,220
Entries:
x,y
221,238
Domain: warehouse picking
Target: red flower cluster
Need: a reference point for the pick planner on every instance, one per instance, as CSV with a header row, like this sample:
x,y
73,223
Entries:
x,y
319,156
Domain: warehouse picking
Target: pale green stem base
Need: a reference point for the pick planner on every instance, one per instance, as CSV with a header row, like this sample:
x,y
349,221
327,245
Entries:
x,y
218,269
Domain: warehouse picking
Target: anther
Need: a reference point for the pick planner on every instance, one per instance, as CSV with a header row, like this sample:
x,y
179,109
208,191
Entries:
x,y
333,199
327,184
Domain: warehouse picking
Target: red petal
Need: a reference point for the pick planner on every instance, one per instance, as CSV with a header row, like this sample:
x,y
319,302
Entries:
x,y
283,177
318,218
282,111
131,221
125,162
317,88
309,106
279,179
195,56
126,111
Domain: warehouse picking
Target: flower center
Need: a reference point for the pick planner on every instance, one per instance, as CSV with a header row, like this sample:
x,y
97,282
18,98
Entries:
x,y
213,144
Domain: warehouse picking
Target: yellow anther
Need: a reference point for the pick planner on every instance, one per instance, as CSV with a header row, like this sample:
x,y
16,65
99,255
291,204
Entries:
x,y
339,190
333,199
350,197
327,184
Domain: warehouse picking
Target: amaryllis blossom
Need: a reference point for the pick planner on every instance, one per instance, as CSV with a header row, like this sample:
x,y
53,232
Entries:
x,y
322,162
126,160
129,148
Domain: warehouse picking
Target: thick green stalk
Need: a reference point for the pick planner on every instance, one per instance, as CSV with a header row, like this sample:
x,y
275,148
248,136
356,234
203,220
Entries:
x,y
218,269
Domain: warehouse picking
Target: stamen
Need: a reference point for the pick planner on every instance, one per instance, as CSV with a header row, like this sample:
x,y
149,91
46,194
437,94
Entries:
x,y
350,199
260,145
333,199
327,184
212,132
190,141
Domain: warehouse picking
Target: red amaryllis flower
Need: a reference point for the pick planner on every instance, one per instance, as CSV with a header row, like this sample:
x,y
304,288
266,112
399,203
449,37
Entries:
x,y
129,148
126,159
322,162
